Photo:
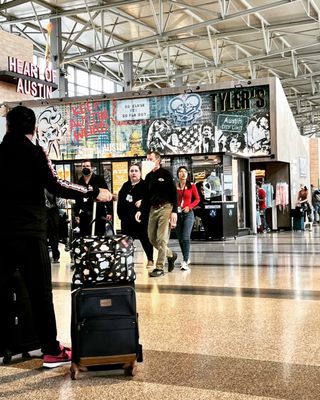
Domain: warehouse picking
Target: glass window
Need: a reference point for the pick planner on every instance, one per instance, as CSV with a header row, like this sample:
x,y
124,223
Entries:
x,y
95,83
119,88
70,71
82,78
81,90
95,91
108,86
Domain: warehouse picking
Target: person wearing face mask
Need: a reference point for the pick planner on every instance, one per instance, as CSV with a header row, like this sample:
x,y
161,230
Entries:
x,y
188,198
83,208
129,202
161,199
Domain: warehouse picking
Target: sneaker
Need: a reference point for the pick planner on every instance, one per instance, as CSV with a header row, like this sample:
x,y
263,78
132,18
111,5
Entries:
x,y
156,272
149,264
171,261
63,358
184,266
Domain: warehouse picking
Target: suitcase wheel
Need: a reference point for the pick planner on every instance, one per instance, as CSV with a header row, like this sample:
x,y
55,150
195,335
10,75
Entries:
x,y
130,370
7,357
140,354
75,369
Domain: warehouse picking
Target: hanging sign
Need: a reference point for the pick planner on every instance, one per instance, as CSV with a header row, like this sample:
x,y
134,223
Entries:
x,y
30,78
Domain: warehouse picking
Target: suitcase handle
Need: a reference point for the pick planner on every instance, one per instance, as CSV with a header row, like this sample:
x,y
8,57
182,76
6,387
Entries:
x,y
109,231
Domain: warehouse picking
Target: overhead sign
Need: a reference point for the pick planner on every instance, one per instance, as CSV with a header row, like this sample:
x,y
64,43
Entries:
x,y
30,78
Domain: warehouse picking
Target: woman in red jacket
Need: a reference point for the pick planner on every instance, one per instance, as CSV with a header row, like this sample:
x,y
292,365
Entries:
x,y
188,198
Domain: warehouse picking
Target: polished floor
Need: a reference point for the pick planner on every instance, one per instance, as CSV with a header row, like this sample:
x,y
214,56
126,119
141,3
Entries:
x,y
244,323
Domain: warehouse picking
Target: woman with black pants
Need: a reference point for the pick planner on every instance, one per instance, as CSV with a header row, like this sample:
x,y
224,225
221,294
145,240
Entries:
x,y
129,201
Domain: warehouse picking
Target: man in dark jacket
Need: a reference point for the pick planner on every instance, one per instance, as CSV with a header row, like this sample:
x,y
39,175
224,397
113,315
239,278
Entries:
x,y
23,227
161,199
83,209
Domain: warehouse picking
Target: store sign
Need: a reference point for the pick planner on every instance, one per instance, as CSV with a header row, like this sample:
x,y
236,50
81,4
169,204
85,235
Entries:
x,y
133,110
232,123
31,79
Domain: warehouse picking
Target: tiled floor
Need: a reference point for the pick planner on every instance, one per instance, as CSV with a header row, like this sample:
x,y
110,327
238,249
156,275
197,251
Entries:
x,y
242,324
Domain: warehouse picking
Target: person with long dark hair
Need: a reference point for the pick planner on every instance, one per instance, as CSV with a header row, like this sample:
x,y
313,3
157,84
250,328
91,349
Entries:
x,y
129,202
188,198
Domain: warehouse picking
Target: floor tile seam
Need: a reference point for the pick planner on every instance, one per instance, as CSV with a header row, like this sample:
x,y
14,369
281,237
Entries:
x,y
288,294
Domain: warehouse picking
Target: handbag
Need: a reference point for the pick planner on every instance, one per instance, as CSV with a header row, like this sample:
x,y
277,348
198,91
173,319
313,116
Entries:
x,y
103,259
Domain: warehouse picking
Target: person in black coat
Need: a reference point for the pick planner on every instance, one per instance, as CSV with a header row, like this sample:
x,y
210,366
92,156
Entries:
x,y
129,201
23,228
83,208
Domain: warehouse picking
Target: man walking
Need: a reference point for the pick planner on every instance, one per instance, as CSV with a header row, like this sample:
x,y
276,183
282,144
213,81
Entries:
x,y
161,200
83,208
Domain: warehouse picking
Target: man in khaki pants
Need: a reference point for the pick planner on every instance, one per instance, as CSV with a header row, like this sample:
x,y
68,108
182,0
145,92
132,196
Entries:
x,y
161,200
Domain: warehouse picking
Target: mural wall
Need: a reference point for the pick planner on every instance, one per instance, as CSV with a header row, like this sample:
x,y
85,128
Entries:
x,y
235,120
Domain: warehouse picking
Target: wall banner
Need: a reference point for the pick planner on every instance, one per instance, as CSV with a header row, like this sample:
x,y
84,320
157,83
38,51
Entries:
x,y
235,120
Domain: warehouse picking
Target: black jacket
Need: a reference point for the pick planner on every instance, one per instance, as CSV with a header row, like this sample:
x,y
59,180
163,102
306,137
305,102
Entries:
x,y
160,188
86,205
126,208
27,171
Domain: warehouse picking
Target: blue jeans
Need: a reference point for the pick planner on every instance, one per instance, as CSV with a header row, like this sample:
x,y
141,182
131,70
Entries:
x,y
316,211
183,229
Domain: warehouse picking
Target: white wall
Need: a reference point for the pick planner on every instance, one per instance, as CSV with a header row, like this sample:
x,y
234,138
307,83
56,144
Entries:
x,y
291,146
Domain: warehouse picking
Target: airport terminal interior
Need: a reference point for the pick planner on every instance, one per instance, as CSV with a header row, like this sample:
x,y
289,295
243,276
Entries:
x,y
231,90
241,324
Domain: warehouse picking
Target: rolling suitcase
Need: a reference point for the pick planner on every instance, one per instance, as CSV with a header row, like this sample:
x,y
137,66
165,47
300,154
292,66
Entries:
x,y
297,215
20,332
298,223
104,329
104,322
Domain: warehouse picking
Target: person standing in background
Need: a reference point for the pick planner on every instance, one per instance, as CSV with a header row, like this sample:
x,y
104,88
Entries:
x,y
83,208
261,194
23,228
188,198
315,200
303,202
129,201
161,199
53,221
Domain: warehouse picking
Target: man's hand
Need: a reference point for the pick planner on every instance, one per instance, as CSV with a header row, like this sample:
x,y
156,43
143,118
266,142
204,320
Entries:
x,y
109,217
173,220
138,216
104,195
77,220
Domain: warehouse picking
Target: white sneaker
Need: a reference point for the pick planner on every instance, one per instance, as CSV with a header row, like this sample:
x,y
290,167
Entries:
x,y
184,266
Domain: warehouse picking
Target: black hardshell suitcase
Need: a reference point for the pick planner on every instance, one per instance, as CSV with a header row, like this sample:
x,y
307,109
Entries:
x,y
298,223
20,331
104,328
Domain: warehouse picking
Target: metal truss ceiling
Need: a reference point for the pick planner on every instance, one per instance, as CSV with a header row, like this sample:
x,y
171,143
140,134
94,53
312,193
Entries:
x,y
185,42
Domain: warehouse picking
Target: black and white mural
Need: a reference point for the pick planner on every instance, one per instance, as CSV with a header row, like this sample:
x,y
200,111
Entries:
x,y
235,120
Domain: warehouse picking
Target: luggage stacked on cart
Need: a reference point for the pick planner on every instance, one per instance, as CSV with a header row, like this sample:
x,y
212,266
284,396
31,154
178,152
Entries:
x,y
104,328
297,219
18,336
